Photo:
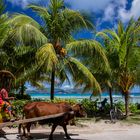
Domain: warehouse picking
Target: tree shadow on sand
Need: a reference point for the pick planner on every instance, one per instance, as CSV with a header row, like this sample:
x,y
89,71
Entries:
x,y
56,136
3,137
40,136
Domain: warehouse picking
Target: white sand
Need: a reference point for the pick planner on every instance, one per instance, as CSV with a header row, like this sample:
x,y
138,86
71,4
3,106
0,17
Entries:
x,y
89,131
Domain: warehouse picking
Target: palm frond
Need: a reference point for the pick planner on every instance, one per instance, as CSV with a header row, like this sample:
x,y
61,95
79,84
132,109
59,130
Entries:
x,y
21,19
4,58
4,29
42,11
82,76
56,5
37,84
103,35
76,20
46,56
120,28
26,31
29,35
22,50
88,48
113,35
2,6
27,74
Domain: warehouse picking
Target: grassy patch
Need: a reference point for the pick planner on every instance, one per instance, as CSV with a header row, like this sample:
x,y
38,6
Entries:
x,y
135,119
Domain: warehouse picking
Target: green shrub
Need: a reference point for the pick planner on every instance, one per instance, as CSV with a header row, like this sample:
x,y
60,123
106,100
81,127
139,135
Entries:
x,y
138,106
58,100
38,100
20,97
23,97
120,105
107,108
90,107
12,95
17,106
133,108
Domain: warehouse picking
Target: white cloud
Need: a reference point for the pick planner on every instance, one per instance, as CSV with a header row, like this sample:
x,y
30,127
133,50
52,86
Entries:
x,y
109,12
110,9
134,11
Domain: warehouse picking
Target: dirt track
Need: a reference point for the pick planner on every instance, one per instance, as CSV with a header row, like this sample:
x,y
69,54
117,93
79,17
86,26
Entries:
x,y
90,131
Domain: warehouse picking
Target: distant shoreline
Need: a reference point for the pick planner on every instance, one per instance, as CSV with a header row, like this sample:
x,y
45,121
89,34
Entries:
x,y
134,97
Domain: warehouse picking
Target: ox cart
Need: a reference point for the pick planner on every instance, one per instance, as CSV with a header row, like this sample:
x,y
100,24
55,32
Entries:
x,y
43,112
7,79
5,124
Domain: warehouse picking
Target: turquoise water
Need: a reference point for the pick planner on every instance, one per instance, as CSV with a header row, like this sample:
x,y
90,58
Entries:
x,y
60,95
134,97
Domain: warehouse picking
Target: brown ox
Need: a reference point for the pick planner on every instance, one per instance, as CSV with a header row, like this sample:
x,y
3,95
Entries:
x,y
38,109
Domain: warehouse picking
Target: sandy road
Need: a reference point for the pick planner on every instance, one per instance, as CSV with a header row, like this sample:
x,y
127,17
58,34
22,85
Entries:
x,y
90,131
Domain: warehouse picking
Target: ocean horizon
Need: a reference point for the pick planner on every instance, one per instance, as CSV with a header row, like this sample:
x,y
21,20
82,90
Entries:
x,y
77,94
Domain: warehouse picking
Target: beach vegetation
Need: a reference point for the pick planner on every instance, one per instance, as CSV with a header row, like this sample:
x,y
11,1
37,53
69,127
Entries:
x,y
18,105
71,101
90,107
36,52
124,57
18,49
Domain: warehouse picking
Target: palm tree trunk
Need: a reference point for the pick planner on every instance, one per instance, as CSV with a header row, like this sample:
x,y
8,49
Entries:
x,y
126,95
22,90
111,98
52,83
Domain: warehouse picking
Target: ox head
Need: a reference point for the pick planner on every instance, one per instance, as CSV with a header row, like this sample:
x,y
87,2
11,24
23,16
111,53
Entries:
x,y
79,110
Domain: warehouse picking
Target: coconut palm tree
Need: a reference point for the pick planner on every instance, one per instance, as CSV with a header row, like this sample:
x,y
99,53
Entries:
x,y
17,49
124,56
60,23
20,46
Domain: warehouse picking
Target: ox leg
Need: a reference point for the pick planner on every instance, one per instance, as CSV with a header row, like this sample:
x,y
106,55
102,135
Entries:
x,y
22,127
28,131
53,129
19,128
65,130
21,135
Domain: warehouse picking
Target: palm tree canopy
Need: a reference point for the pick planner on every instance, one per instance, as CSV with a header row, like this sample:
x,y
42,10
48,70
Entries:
x,y
123,48
60,22
89,50
26,31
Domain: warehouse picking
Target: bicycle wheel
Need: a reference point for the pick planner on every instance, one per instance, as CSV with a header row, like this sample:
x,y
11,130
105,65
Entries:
x,y
119,114
113,115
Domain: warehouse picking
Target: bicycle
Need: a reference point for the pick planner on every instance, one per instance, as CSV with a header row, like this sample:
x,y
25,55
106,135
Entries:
x,y
116,114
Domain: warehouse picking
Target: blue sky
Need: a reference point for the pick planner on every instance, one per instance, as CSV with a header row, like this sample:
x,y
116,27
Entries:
x,y
105,12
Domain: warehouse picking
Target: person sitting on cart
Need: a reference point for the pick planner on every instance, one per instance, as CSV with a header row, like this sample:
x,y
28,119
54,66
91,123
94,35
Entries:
x,y
4,102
